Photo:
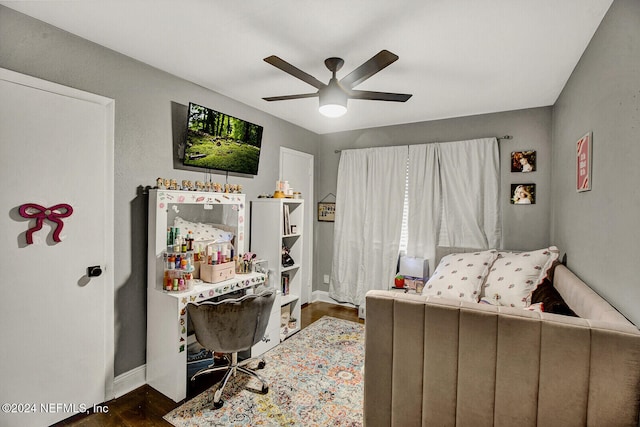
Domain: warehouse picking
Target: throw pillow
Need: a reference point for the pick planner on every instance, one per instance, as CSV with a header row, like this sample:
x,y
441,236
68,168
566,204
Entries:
x,y
552,301
460,276
514,275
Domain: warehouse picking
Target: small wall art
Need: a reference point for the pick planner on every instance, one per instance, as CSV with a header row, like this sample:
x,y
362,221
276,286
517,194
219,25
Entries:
x,y
326,212
523,161
40,213
583,163
523,194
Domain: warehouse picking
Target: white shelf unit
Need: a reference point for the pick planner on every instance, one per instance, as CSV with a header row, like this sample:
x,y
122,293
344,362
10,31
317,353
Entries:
x,y
269,233
167,334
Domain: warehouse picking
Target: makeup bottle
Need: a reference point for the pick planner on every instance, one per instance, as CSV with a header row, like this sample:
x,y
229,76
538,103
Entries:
x,y
176,241
190,241
169,239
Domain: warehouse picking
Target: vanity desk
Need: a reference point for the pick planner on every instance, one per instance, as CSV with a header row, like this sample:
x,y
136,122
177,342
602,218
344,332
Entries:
x,y
167,335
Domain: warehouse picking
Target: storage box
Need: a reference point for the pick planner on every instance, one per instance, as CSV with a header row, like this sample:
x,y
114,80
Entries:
x,y
218,272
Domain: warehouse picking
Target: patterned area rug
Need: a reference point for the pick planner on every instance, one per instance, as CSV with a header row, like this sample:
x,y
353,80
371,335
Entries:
x,y
315,379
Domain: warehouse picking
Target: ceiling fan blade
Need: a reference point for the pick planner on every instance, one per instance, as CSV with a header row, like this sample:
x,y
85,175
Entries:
x,y
295,72
285,97
379,96
381,60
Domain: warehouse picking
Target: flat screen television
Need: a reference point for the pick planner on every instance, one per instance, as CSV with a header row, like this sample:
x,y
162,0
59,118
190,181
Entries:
x,y
218,141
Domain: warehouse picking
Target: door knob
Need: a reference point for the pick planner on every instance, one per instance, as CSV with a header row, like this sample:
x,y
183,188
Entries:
x,y
94,271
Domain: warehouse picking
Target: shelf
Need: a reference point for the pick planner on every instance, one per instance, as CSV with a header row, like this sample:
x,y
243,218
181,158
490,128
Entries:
x,y
204,290
271,223
293,267
292,331
181,270
288,299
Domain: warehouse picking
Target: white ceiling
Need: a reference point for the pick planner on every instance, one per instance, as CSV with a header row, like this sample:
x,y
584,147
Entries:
x,y
457,57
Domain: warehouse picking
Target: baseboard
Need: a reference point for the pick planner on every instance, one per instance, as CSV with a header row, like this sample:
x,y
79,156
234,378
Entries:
x,y
323,296
129,381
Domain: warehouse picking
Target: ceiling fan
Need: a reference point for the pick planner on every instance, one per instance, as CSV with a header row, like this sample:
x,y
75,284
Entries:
x,y
334,95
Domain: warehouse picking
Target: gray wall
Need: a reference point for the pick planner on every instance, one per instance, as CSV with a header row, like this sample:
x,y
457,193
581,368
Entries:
x,y
146,101
599,229
524,227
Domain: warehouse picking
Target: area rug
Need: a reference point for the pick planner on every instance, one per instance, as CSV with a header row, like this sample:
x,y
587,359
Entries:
x,y
315,379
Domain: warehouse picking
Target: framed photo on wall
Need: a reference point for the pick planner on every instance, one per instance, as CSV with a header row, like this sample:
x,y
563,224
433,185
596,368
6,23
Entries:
x,y
523,161
326,211
583,163
523,194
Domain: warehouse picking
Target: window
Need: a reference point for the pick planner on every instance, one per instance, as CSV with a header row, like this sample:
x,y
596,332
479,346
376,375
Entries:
x,y
404,234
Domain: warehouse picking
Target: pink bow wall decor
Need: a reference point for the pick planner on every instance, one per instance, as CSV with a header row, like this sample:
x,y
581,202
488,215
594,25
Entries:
x,y
40,213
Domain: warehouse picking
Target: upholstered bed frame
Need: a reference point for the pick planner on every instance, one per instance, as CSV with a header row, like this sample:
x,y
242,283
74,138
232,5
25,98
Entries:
x,y
438,362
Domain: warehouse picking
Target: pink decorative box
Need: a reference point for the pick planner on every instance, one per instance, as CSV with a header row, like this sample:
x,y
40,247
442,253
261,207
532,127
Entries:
x,y
218,272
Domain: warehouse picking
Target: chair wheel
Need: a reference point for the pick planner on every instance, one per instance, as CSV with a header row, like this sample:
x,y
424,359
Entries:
x,y
261,364
265,389
217,399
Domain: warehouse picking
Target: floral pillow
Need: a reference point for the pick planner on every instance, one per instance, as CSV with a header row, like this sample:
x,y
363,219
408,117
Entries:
x,y
515,275
460,276
202,231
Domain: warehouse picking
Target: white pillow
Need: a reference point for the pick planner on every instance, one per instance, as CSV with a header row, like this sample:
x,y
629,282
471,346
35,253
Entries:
x,y
460,276
202,232
515,275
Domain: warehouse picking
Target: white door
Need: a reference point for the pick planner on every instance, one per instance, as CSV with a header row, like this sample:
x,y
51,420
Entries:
x,y
297,168
56,147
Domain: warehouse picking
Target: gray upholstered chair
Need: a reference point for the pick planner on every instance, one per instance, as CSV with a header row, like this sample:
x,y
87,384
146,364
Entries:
x,y
231,326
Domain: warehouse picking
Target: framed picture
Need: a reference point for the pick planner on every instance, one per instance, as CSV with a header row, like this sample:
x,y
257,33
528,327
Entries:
x,y
523,194
523,161
326,212
583,163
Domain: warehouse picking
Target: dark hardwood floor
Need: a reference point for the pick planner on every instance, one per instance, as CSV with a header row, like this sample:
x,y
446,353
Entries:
x,y
314,311
146,407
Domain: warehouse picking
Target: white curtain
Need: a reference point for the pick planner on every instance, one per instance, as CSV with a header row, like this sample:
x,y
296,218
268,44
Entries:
x,y
347,243
369,203
453,188
470,177
424,199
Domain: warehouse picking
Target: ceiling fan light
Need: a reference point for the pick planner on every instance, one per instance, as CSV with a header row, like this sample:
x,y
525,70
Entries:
x,y
332,110
333,101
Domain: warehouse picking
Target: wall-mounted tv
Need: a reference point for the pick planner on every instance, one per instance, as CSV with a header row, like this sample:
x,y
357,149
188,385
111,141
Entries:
x,y
218,141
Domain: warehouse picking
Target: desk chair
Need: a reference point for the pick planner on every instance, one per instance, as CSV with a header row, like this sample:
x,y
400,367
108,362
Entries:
x,y
230,326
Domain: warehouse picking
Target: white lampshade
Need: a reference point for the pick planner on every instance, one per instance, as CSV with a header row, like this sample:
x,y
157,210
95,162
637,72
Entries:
x,y
414,267
332,110
333,100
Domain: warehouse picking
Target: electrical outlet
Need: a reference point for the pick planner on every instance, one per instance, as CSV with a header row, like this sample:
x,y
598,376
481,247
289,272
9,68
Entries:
x,y
325,280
